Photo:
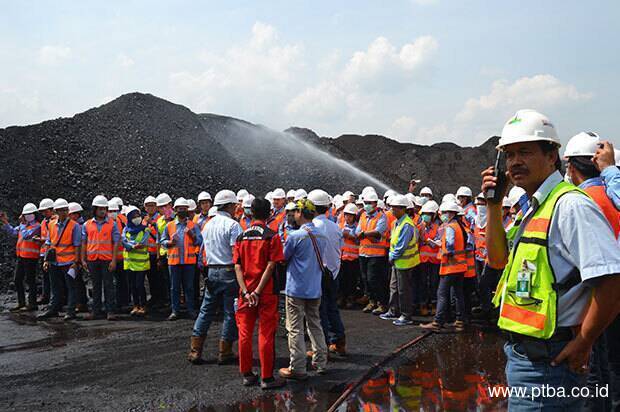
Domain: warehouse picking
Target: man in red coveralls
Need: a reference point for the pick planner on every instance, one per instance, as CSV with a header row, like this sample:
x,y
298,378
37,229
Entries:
x,y
256,253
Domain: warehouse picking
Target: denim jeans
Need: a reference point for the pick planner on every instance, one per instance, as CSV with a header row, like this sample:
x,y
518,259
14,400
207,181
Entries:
x,y
57,285
521,372
102,280
182,274
332,325
447,283
221,289
136,285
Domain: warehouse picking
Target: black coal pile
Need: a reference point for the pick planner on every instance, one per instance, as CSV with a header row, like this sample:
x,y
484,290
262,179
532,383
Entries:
x,y
139,145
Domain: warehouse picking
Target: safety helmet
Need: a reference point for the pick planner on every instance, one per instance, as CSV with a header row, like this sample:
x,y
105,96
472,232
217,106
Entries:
x,y
46,204
181,202
113,206
192,205
241,194
75,207
351,209
60,204
389,193
368,189
528,126
130,209
29,208
290,194
118,200
319,197
300,194
381,204
224,197
346,195
464,191
515,194
430,207
582,144
450,206
426,191
370,197
481,196
100,201
449,197
290,206
279,193
149,199
247,201
506,202
204,196
212,211
399,200
163,199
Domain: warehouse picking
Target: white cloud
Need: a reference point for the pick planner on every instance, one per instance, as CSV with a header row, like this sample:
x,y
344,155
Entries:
x,y
403,128
124,61
53,55
425,2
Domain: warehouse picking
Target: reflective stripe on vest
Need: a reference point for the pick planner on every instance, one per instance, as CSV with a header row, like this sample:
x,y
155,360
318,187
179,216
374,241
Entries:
x,y
161,225
27,248
350,248
535,315
411,257
189,250
456,262
428,253
369,247
481,242
99,243
597,193
65,251
136,260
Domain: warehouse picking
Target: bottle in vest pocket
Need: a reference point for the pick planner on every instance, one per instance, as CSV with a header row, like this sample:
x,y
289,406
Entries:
x,y
524,278
236,304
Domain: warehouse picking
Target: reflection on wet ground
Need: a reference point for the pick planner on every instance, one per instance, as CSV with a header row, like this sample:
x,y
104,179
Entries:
x,y
446,372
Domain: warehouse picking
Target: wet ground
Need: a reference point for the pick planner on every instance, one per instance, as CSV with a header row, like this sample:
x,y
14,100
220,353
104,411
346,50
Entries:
x,y
140,365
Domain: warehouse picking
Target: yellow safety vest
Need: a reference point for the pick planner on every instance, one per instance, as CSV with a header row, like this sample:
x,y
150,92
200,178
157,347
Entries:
x,y
136,260
411,257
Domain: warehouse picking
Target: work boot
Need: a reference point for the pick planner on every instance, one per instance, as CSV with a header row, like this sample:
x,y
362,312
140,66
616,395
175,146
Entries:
x,y
195,353
250,379
47,315
459,326
173,316
272,383
17,308
424,311
287,373
362,301
134,310
369,307
339,347
141,311
379,310
226,352
30,308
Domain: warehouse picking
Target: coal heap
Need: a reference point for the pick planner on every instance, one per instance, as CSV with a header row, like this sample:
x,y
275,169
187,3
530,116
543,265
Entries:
x,y
139,145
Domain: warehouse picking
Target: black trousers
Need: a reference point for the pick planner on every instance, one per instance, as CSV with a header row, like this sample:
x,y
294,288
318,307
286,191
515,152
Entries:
x,y
26,269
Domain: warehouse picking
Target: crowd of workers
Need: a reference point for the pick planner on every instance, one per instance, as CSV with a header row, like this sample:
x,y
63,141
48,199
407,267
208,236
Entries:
x,y
546,256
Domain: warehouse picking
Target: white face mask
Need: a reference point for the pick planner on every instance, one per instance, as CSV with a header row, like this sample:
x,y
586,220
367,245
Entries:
x,y
113,215
481,219
136,220
29,217
567,178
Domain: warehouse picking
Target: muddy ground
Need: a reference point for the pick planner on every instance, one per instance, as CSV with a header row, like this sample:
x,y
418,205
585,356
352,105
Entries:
x,y
140,365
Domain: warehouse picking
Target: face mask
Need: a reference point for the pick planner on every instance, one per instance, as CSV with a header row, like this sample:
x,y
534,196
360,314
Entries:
x,y
136,220
568,179
426,218
101,213
113,215
482,216
168,212
247,211
445,218
29,217
369,208
182,214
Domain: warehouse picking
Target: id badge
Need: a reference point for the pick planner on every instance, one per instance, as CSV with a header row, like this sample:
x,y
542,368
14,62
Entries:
x,y
524,279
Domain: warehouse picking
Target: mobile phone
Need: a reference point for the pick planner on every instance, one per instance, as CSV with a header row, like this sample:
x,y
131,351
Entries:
x,y
494,194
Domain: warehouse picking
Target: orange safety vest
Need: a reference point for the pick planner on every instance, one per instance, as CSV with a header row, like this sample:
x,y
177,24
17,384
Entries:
x,y
245,222
390,222
597,193
45,231
481,242
151,228
369,247
189,250
457,262
350,249
275,221
99,243
27,248
428,253
65,251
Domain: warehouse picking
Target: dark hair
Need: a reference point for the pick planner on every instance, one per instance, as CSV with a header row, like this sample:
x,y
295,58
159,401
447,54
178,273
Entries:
x,y
321,210
584,166
548,147
261,208
308,214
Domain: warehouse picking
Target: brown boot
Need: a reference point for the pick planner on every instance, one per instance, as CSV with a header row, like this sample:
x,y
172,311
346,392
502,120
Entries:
x,y
339,347
195,354
226,352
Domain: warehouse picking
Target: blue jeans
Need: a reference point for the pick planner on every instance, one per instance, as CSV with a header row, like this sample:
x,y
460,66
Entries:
x,y
181,274
452,282
329,312
57,282
521,372
103,280
221,289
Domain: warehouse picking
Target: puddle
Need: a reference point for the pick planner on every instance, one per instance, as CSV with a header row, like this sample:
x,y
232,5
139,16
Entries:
x,y
447,372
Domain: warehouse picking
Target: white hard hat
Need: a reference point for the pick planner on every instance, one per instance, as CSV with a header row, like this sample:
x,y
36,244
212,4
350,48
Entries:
x,y
192,205
247,201
269,196
181,202
506,202
410,204
290,206
300,194
359,201
449,206
338,203
46,204
449,197
464,191
582,144
337,198
617,156
163,199
515,194
426,191
399,200
75,207
224,197
100,201
370,197
351,209
420,200
29,208
319,197
113,206
279,193
389,200
118,200
348,194
389,193
130,209
381,204
430,207
481,196
290,194
241,194
528,126
368,189
124,210
212,211
461,211
150,199
60,204
204,196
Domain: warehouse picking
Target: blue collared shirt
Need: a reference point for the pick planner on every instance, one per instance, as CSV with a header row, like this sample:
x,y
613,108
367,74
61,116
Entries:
x,y
407,233
332,252
219,237
24,230
579,237
180,235
116,236
303,273
611,177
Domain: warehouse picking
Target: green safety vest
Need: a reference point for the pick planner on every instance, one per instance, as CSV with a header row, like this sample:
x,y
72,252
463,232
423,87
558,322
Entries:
x,y
161,225
411,257
136,260
536,314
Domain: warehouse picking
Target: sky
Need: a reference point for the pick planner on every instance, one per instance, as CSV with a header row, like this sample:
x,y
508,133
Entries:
x,y
419,71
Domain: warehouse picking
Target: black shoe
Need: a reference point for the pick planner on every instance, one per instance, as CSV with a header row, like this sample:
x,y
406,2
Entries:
x,y
250,380
47,315
17,308
272,383
173,316
30,308
69,316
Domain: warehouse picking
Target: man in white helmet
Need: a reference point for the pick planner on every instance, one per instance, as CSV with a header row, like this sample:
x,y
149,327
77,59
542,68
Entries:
x,y
610,173
166,212
156,284
464,196
278,198
46,209
204,203
427,193
27,251
559,289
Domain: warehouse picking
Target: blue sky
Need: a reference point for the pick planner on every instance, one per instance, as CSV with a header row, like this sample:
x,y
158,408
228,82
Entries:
x,y
415,70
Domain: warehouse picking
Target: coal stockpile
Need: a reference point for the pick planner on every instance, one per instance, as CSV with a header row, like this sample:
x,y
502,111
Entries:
x,y
139,145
